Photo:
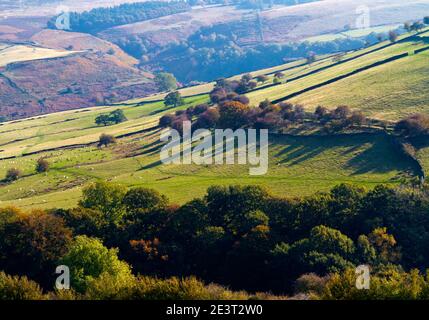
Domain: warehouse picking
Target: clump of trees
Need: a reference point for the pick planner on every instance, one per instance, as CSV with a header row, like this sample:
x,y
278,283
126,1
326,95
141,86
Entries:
x,y
114,117
231,110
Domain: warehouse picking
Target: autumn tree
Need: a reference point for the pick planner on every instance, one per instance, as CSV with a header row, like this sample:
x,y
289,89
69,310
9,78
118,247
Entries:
x,y
32,244
233,115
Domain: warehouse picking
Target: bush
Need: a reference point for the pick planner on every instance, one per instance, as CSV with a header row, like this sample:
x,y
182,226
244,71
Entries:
x,y
13,174
106,140
42,165
310,283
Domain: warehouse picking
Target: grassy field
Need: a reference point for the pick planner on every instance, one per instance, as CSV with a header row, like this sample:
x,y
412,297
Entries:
x,y
354,33
291,87
391,91
69,128
297,165
20,53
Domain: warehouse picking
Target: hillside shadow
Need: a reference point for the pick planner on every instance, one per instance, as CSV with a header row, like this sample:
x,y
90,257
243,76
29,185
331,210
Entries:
x,y
150,165
296,154
379,157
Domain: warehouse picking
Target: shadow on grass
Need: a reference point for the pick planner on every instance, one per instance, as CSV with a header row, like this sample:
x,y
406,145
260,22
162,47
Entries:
x,y
380,156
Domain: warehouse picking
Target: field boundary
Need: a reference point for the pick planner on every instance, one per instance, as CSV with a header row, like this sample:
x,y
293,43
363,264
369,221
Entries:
x,y
344,76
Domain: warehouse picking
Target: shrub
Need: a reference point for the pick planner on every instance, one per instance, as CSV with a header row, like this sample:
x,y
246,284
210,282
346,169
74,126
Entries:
x,y
13,174
42,165
106,140
310,283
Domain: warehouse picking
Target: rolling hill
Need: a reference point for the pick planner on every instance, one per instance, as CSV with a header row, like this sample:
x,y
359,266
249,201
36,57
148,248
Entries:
x,y
46,77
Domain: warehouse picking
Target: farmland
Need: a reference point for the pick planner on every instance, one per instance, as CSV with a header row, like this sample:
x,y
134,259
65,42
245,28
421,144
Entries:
x,y
390,84
297,165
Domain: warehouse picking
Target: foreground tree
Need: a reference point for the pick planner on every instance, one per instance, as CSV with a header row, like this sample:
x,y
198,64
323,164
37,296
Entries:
x,y
32,244
89,260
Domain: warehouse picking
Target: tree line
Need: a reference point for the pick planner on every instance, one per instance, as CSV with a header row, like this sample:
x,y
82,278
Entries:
x,y
103,18
117,240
